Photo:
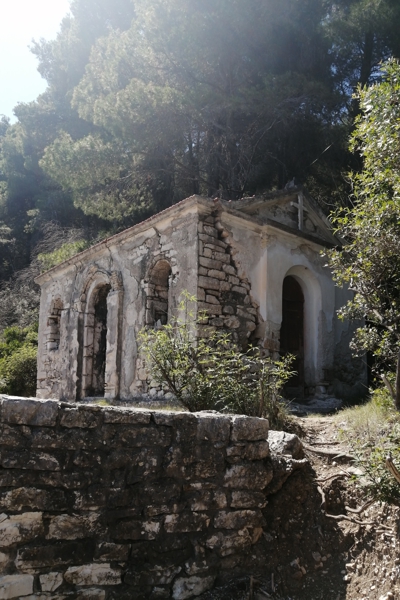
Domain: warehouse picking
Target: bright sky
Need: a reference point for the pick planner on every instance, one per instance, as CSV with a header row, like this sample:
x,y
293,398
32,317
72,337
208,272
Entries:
x,y
21,21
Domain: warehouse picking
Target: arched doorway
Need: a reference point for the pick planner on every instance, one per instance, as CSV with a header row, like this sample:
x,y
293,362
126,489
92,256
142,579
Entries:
x,y
292,333
95,337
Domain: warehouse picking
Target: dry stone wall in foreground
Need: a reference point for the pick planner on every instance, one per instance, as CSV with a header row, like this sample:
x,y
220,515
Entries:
x,y
102,502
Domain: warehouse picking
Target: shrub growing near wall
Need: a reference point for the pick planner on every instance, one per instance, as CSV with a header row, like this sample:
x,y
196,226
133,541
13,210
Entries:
x,y
18,356
211,372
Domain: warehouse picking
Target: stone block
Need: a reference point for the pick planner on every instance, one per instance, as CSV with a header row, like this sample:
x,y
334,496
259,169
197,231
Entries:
x,y
281,442
176,420
233,280
229,269
159,492
232,322
223,257
24,459
214,244
186,522
4,560
228,310
213,428
255,451
225,286
69,527
217,274
30,412
91,594
131,416
243,313
46,438
81,417
93,574
66,480
52,556
211,299
244,499
250,326
15,586
15,436
187,587
49,582
249,429
230,543
211,231
28,498
203,500
152,575
211,309
253,476
209,283
132,437
239,289
147,463
238,519
160,593
20,528
136,530
209,240
210,263
107,552
217,322
201,294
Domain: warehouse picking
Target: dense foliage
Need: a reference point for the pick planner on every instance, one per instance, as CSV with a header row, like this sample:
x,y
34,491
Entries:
x,y
370,260
18,351
209,372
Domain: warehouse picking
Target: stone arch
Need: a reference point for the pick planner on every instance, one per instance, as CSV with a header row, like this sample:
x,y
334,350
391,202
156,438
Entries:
x,y
312,296
158,293
100,335
53,324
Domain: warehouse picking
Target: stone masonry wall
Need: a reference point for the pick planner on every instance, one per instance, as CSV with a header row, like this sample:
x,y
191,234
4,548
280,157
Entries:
x,y
113,503
221,292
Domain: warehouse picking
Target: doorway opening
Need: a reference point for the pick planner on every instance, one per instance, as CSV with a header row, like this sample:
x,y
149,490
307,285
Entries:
x,y
292,334
96,333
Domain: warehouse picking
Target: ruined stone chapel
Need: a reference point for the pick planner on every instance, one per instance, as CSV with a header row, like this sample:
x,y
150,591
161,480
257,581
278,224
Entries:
x,y
255,266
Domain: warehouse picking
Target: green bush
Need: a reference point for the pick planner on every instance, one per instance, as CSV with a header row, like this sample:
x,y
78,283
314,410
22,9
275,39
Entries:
x,y
210,372
18,355
51,259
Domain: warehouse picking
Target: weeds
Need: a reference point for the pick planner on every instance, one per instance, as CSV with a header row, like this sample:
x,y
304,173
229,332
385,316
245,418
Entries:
x,y
373,431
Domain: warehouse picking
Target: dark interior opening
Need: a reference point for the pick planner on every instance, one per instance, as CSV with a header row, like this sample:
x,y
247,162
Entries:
x,y
292,334
99,342
158,301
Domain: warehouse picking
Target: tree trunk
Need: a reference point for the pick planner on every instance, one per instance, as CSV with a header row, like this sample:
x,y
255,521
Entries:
x,y
366,64
397,398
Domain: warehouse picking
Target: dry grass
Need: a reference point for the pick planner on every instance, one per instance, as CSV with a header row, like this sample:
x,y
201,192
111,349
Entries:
x,y
375,420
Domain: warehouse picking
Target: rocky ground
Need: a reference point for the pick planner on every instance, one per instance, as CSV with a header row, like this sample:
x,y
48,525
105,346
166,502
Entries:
x,y
323,540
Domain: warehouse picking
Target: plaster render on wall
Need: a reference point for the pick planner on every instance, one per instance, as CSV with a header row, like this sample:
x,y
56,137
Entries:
x,y
233,256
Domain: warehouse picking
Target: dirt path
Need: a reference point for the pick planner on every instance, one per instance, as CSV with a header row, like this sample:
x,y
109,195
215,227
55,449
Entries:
x,y
315,546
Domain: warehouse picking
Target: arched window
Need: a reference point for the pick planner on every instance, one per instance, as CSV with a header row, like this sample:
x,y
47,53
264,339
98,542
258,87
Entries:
x,y
53,325
157,302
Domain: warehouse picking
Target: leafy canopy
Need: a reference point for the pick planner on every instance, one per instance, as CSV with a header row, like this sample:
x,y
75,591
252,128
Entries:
x,y
18,357
369,262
